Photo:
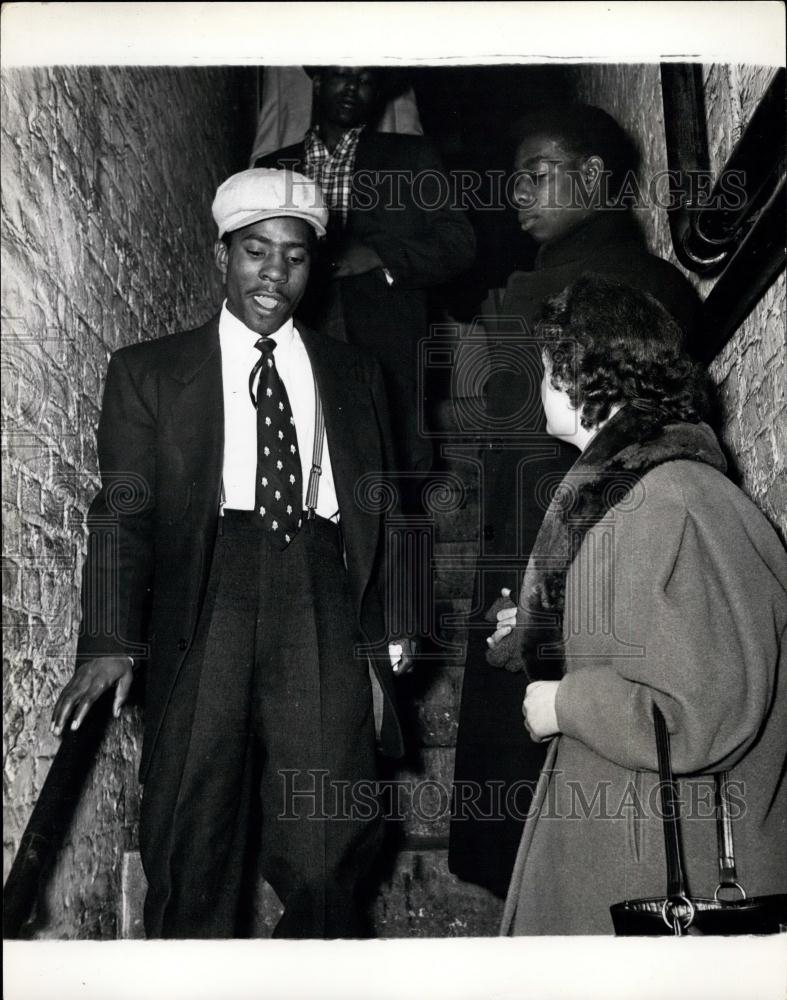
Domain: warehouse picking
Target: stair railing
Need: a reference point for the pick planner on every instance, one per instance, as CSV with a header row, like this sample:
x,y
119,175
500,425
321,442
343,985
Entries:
x,y
737,231
51,818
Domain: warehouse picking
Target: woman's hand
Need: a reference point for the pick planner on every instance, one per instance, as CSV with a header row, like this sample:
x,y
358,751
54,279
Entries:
x,y
506,620
538,708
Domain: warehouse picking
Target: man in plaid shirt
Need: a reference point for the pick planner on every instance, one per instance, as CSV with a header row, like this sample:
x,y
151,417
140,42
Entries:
x,y
393,234
333,169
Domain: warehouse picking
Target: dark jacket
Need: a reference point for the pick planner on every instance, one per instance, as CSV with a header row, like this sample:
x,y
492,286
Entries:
x,y
521,464
153,524
400,206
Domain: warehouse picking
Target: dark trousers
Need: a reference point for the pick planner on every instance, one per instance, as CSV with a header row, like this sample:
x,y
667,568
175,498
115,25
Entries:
x,y
268,737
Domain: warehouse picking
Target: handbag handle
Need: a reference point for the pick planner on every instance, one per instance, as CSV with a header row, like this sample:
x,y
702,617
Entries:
x,y
678,910
728,875
670,811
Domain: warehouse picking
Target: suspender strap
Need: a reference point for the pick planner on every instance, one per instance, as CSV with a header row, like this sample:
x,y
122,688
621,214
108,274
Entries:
x,y
315,472
313,487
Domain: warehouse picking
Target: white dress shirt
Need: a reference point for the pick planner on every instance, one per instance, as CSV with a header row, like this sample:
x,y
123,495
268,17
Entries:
x,y
238,357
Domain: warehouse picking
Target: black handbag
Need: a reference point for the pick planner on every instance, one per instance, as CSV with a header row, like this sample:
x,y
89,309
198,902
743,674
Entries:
x,y
677,912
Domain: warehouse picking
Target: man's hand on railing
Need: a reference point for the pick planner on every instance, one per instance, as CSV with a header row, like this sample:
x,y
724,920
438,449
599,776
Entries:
x,y
87,685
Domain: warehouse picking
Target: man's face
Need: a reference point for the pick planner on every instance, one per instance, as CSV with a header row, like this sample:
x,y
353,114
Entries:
x,y
345,95
546,189
265,268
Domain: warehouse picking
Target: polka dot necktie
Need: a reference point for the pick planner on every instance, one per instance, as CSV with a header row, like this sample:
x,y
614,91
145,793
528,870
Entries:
x,y
278,496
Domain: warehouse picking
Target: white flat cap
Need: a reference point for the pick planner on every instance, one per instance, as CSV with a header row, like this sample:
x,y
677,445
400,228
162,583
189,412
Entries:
x,y
260,193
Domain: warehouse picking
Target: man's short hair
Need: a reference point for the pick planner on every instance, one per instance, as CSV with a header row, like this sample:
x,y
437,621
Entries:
x,y
583,130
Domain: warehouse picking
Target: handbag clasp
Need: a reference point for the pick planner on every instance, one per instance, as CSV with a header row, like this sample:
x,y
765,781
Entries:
x,y
674,910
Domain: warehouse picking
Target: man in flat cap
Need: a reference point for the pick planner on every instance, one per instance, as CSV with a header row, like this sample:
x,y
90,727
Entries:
x,y
394,233
230,549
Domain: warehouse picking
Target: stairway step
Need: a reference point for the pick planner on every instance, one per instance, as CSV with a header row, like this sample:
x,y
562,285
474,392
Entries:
x,y
424,792
423,899
460,522
454,568
429,700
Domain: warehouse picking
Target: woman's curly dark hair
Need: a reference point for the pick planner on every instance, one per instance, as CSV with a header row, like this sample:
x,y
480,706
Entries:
x,y
608,343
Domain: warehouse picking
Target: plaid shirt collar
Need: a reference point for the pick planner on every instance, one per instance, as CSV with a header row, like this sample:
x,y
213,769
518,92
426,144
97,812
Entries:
x,y
333,171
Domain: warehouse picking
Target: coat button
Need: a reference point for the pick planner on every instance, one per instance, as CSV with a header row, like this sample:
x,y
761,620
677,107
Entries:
x,y
182,644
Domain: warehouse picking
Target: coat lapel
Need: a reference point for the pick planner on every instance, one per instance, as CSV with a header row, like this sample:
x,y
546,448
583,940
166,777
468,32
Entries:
x,y
195,420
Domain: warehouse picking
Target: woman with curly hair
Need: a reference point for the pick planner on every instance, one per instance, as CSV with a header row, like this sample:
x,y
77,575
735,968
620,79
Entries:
x,y
653,582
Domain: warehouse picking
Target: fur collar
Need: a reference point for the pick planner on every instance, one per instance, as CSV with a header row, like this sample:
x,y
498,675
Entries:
x,y
630,444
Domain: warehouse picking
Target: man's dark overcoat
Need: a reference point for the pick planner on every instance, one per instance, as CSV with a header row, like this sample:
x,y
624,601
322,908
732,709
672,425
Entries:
x,y
153,524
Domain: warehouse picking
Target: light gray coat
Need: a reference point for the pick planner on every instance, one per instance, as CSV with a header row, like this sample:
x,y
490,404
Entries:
x,y
678,596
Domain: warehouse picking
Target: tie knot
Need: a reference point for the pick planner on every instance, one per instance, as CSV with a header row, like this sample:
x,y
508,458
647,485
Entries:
x,y
266,345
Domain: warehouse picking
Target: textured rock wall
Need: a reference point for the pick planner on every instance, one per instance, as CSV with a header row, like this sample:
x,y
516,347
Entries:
x,y
108,176
751,370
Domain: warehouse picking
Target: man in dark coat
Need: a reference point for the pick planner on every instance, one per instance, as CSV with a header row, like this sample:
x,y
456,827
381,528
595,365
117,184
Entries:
x,y
394,234
571,164
229,549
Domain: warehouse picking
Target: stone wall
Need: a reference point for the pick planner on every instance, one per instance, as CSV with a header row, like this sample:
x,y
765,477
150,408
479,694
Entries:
x,y
751,370
108,176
